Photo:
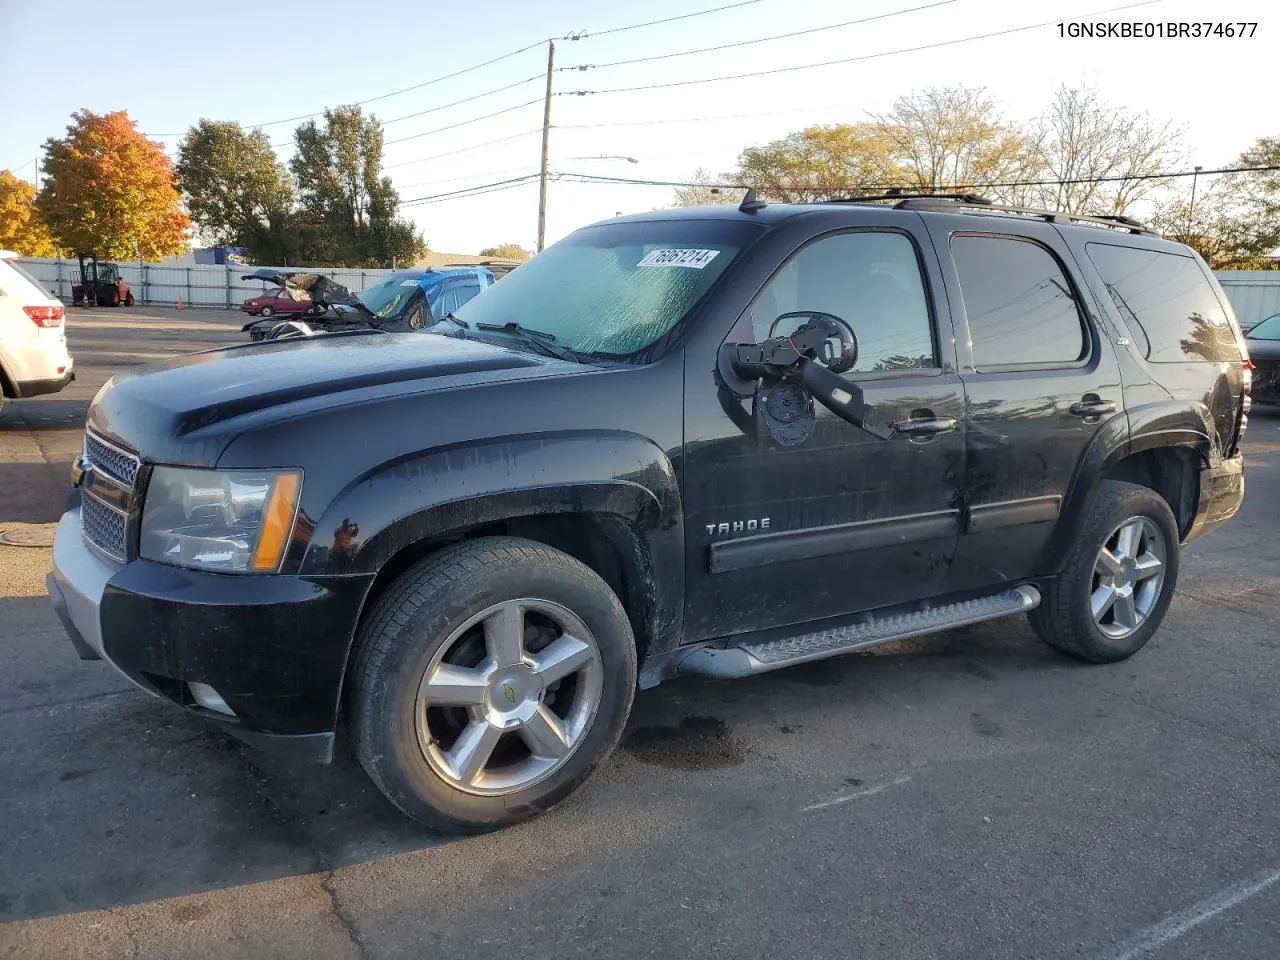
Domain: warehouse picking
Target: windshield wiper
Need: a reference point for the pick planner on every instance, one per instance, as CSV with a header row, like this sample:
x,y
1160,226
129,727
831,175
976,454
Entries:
x,y
538,338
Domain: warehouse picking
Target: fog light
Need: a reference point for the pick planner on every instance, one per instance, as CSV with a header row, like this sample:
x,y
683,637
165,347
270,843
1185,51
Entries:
x,y
209,698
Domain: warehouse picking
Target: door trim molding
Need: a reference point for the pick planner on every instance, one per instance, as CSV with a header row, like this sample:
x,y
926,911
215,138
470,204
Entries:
x,y
780,546
1013,513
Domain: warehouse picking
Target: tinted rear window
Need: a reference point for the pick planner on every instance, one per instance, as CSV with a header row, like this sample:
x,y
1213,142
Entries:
x,y
1167,303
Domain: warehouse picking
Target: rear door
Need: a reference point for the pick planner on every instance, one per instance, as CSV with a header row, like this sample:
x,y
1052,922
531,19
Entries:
x,y
1040,380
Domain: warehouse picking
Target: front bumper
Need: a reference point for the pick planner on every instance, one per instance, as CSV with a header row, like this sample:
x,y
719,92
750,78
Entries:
x,y
273,648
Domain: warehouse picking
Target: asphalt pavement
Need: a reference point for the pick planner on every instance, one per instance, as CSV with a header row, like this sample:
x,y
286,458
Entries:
x,y
970,795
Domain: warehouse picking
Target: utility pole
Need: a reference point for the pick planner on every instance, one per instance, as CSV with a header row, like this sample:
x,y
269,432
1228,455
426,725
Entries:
x,y
1191,209
546,141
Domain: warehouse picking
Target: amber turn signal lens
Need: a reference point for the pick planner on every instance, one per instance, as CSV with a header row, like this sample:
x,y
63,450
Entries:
x,y
277,522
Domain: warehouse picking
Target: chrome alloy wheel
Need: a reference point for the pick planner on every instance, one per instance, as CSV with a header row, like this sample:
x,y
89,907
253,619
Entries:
x,y
1128,577
508,697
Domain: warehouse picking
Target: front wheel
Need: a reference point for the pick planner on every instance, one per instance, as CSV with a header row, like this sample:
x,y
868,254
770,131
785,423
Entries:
x,y
490,680
1118,581
266,312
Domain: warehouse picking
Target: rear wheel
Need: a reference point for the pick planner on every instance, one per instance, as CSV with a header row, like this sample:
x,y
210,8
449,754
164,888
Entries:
x,y
490,680
1119,578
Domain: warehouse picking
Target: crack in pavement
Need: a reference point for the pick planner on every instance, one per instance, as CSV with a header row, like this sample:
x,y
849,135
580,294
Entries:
x,y
345,920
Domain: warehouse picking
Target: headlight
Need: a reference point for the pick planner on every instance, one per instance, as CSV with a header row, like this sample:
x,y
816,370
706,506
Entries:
x,y
224,520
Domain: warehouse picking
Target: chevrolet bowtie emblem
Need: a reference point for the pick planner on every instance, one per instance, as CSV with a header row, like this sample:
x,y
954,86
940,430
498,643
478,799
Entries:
x,y
509,692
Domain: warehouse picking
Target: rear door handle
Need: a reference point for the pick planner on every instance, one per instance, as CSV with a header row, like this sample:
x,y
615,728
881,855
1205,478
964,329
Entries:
x,y
1093,408
925,426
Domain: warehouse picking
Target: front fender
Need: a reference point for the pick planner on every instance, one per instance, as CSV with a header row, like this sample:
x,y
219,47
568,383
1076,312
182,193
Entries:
x,y
622,478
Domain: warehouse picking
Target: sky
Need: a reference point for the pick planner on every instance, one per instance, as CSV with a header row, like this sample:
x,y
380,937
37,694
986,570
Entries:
x,y
174,64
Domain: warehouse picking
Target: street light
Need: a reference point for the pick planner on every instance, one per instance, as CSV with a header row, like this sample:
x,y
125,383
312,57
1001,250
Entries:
x,y
627,159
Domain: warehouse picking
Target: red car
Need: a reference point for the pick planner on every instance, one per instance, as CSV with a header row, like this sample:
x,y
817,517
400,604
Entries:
x,y
277,302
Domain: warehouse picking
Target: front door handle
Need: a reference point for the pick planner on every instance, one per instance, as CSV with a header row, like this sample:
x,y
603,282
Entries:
x,y
1093,407
923,427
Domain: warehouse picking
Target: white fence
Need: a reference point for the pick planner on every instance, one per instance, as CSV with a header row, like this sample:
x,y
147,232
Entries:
x,y
205,285
1254,294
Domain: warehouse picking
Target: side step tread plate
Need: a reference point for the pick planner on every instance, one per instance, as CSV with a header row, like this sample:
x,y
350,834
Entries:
x,y
746,659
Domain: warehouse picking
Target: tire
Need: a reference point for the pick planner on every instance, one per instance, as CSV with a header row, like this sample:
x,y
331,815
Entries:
x,y
128,299
266,312
1065,618
413,747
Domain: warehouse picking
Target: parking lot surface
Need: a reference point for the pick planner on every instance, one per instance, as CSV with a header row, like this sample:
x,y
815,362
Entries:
x,y
969,795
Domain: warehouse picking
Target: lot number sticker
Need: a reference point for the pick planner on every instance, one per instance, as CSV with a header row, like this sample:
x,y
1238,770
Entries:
x,y
694,259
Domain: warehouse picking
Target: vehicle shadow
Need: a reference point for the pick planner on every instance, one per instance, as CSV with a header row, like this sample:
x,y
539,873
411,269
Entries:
x,y
115,798
34,492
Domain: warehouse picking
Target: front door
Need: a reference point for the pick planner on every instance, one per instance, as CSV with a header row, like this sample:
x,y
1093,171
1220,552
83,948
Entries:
x,y
781,530
1041,380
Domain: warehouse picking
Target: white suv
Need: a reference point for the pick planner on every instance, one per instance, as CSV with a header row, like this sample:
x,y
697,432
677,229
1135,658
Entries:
x,y
33,338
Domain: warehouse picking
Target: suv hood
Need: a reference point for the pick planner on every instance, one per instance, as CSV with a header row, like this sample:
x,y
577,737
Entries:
x,y
187,409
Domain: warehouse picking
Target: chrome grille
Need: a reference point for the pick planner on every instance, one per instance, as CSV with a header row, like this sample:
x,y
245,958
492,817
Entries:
x,y
112,460
106,525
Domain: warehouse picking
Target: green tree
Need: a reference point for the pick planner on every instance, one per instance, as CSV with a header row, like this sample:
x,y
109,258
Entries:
x,y
21,229
110,191
238,193
507,251
346,202
818,163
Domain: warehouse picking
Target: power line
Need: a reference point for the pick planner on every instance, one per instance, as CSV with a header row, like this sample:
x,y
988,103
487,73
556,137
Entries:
x,y
469,176
747,43
451,153
463,123
857,188
476,190
582,35
478,96
867,56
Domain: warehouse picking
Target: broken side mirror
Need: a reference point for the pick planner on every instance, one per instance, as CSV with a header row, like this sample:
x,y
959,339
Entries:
x,y
803,358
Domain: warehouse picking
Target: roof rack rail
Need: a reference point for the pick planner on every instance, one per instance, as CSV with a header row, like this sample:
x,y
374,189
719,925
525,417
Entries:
x,y
895,194
957,204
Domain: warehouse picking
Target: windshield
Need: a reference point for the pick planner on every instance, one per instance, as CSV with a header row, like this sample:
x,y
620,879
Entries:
x,y
387,298
616,288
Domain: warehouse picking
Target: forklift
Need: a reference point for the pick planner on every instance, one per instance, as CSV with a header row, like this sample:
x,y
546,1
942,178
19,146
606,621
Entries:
x,y
102,281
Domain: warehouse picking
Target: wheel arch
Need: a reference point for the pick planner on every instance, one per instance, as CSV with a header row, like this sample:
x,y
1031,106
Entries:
x,y
609,500
1162,446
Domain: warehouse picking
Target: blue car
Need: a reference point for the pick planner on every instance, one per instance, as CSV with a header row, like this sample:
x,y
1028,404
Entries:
x,y
416,298
406,300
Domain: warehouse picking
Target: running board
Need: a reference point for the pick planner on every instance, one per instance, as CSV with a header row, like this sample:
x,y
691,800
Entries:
x,y
746,659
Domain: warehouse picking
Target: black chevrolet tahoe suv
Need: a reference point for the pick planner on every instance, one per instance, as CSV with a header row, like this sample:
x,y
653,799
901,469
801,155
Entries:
x,y
707,442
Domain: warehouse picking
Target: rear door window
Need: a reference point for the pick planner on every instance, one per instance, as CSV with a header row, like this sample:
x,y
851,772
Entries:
x,y
1166,302
1020,305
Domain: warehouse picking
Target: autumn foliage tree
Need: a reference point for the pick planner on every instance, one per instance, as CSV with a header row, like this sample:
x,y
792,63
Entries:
x,y
110,191
21,229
